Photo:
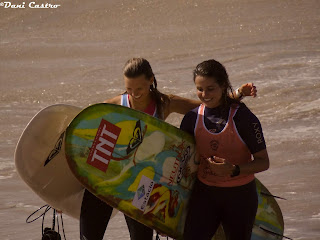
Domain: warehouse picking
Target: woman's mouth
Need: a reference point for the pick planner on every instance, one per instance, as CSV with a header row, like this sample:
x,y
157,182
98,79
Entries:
x,y
207,99
137,97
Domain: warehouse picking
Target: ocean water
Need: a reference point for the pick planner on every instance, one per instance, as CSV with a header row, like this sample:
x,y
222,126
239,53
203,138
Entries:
x,y
74,55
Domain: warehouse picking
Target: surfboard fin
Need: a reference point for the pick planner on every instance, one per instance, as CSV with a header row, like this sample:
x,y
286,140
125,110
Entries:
x,y
272,232
270,195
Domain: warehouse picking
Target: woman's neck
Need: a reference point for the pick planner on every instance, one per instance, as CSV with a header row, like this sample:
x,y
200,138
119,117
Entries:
x,y
140,105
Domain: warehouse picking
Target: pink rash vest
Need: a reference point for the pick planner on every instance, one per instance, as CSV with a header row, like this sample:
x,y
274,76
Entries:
x,y
226,144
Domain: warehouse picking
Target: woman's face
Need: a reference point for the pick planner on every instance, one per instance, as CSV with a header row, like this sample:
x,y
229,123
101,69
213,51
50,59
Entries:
x,y
138,88
208,91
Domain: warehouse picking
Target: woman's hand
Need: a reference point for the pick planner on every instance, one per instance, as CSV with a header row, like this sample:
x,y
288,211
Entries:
x,y
248,89
220,167
162,234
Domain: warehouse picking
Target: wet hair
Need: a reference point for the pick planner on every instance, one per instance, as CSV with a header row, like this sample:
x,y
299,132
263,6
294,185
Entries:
x,y
214,69
135,67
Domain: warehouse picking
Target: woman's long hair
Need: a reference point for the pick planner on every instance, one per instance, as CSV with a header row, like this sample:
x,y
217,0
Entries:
x,y
214,69
136,67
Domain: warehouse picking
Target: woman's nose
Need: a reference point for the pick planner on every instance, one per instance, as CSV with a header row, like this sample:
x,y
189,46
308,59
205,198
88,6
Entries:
x,y
134,93
204,94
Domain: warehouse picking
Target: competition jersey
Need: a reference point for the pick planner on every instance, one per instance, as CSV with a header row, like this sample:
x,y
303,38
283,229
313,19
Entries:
x,y
225,144
246,123
151,108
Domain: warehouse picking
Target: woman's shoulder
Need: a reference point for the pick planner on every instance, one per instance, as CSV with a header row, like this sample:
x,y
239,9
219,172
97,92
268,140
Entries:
x,y
114,100
245,114
189,121
193,112
191,117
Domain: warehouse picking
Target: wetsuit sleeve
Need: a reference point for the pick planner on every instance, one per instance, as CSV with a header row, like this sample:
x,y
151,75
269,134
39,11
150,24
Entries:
x,y
189,121
249,129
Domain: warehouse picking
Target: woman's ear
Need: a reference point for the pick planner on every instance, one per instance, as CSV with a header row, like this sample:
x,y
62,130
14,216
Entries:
x,y
151,80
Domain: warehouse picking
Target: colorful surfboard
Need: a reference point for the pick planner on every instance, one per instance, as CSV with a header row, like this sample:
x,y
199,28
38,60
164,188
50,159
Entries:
x,y
136,163
146,168
269,222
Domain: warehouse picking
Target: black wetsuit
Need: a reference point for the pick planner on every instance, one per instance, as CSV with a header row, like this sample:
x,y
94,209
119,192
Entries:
x,y
95,216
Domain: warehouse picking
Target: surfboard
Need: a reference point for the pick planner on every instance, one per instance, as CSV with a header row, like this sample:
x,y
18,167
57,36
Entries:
x,y
146,168
41,163
136,163
269,222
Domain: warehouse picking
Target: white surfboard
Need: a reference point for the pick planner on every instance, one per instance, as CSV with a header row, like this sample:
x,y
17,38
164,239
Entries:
x,y
40,159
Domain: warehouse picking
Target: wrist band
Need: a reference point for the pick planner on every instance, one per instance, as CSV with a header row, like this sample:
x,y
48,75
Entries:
x,y
236,171
239,95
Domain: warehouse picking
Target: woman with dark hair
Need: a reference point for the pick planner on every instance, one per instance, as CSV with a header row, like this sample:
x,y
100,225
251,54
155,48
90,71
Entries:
x,y
231,149
141,94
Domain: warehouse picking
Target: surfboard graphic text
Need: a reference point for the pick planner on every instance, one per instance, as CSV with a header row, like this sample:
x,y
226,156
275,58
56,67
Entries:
x,y
179,164
103,145
143,192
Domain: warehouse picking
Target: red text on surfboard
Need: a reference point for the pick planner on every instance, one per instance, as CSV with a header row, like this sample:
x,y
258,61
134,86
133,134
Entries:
x,y
179,164
103,145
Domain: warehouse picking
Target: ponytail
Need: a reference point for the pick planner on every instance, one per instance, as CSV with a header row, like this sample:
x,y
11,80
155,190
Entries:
x,y
160,98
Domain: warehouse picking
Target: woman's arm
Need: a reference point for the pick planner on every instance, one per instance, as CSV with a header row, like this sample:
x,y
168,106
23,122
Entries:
x,y
115,100
221,167
260,163
180,105
183,105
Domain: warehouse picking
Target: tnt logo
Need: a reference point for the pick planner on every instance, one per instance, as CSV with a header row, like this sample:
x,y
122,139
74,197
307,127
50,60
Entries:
x,y
103,145
141,192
